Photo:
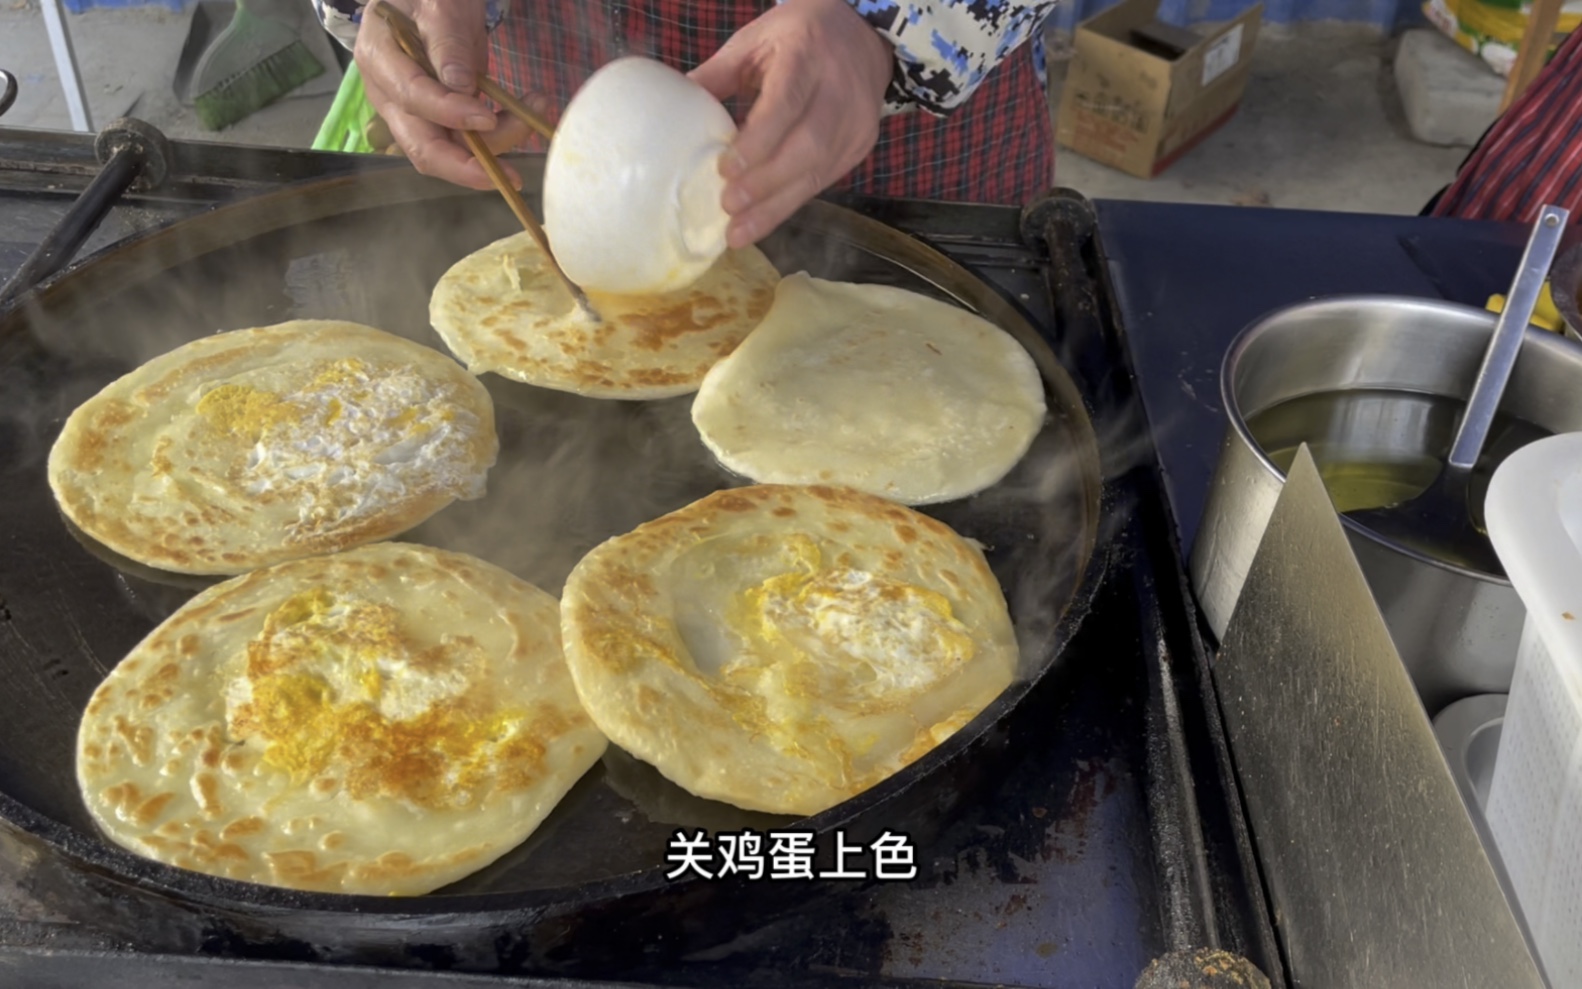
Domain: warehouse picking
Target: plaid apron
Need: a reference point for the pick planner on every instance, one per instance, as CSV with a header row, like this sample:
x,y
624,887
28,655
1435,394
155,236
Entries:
x,y
997,148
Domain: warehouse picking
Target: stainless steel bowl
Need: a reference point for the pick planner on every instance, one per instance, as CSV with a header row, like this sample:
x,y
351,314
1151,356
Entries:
x,y
1379,380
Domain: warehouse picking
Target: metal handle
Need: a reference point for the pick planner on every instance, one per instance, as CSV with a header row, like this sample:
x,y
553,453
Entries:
x,y
134,155
1506,343
7,90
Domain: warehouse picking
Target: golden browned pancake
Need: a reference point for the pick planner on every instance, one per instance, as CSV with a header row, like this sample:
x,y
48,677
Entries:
x,y
502,309
874,387
384,720
785,648
243,449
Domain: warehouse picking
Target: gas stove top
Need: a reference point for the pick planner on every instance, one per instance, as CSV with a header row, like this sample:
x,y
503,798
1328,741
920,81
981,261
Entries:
x,y
1116,835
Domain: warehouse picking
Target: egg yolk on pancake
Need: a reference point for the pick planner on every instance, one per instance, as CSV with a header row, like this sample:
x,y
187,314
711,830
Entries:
x,y
332,685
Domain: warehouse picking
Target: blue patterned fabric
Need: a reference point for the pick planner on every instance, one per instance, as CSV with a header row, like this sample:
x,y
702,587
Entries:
x,y
945,48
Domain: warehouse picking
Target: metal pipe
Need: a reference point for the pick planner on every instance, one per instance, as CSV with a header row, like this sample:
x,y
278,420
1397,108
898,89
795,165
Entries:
x,y
79,223
134,155
66,65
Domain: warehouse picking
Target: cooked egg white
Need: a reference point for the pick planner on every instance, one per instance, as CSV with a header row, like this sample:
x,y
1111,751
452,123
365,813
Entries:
x,y
383,721
247,448
783,648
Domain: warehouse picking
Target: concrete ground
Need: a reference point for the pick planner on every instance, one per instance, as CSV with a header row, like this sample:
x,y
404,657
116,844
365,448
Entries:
x,y
127,58
1321,126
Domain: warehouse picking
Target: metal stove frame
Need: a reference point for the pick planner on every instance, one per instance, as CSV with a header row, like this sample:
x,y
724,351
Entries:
x,y
1206,890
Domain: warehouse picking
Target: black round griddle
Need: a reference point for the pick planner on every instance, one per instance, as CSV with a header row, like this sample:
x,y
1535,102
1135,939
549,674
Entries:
x,y
587,892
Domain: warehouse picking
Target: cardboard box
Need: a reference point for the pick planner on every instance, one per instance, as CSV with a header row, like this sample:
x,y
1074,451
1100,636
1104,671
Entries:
x,y
1131,106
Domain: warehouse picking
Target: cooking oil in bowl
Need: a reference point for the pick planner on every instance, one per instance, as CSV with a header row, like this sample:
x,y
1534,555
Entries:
x,y
1376,448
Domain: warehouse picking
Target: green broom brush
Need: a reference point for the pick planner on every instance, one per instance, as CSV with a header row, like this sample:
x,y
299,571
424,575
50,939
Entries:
x,y
257,59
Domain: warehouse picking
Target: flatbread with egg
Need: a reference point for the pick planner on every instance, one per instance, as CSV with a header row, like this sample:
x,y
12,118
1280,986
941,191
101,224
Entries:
x,y
502,309
380,721
247,448
784,648
873,387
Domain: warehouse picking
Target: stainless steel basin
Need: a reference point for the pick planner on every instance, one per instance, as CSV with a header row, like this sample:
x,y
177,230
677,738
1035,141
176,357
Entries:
x,y
1374,385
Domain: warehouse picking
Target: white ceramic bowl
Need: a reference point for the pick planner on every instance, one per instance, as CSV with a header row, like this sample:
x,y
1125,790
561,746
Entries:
x,y
632,186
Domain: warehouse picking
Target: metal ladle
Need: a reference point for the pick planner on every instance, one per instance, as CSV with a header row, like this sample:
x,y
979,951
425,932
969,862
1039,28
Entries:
x,y
1440,519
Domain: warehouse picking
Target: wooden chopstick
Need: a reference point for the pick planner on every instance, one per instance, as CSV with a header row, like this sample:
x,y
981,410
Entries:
x,y
407,37
516,107
518,205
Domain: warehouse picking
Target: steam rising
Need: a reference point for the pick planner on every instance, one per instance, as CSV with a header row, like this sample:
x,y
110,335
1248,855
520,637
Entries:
x,y
572,471
1034,523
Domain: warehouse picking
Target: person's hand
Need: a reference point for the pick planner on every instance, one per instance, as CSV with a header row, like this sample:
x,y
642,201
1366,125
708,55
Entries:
x,y
423,115
819,72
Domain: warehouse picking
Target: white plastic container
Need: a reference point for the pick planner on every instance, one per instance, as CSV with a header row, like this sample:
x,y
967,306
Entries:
x,y
1534,513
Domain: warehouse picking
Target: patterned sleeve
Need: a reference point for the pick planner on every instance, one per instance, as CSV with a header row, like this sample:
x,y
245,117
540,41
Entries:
x,y
945,48
341,18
